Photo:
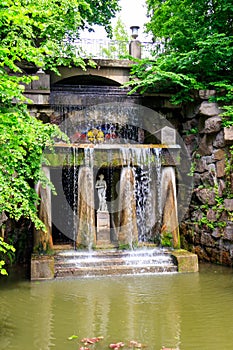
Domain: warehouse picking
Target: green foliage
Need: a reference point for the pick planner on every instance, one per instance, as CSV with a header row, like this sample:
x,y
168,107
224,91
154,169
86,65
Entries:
x,y
128,246
166,239
101,14
227,120
22,140
33,34
197,37
6,252
119,48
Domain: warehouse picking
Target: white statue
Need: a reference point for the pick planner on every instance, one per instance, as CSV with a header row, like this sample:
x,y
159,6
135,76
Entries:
x,y
101,187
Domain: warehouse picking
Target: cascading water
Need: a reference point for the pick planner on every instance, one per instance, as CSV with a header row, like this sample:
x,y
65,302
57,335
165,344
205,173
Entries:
x,y
148,192
145,166
117,141
133,192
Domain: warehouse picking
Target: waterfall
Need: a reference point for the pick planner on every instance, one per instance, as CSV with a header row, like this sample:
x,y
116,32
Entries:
x,y
139,191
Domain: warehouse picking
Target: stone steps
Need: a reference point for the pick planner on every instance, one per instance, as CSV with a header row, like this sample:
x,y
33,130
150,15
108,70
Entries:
x,y
112,271
112,262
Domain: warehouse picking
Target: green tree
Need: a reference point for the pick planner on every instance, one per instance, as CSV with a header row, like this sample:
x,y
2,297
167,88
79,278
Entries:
x,y
6,253
119,47
34,34
196,50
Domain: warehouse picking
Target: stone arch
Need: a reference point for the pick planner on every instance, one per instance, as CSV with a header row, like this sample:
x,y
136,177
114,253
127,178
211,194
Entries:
x,y
88,80
117,75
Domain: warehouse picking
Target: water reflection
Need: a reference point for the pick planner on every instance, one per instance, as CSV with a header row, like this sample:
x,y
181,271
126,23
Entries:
x,y
186,312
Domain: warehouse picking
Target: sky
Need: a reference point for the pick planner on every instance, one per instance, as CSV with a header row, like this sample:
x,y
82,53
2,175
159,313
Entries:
x,y
133,13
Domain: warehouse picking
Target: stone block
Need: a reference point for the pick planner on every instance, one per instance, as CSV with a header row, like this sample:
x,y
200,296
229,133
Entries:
x,y
200,251
189,139
228,232
186,261
224,216
219,140
228,134
221,187
43,83
228,204
103,220
219,154
211,215
200,165
205,146
216,233
208,160
39,98
213,125
220,168
206,94
196,179
206,195
42,267
103,227
209,108
207,178
166,136
207,240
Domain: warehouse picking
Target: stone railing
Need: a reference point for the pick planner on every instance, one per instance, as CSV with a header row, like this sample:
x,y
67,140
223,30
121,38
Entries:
x,y
113,49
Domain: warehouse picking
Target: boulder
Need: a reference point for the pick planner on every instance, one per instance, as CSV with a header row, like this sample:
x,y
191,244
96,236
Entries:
x,y
209,108
206,195
228,204
228,232
219,154
219,140
211,215
205,146
213,125
220,168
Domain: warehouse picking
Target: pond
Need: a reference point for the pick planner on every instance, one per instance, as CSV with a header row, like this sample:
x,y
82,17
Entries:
x,y
181,311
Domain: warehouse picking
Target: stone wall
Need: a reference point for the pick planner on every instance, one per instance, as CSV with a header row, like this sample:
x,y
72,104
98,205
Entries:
x,y
207,228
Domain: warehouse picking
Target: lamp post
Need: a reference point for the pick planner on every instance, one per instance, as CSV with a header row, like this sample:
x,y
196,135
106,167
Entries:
x,y
134,33
135,45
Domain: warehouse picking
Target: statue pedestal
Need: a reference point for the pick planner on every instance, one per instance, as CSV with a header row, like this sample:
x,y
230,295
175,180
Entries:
x,y
103,227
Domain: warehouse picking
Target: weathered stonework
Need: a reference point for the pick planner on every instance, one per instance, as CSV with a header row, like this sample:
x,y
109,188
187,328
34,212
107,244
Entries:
x,y
186,261
209,109
228,134
42,267
208,147
208,229
212,125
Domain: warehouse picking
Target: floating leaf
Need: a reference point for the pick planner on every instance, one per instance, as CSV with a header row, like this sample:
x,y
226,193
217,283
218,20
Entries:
x,y
73,337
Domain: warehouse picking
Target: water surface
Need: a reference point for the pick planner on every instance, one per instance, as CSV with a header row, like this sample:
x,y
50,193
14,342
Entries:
x,y
183,311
